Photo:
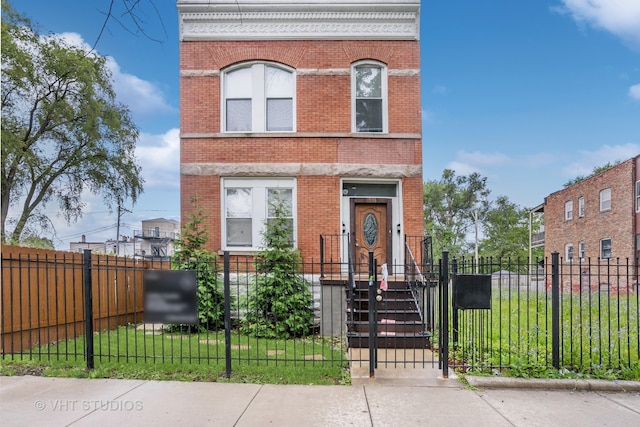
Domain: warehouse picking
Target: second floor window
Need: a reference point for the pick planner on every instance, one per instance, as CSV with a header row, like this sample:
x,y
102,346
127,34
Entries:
x,y
637,196
258,98
581,207
605,199
369,97
568,210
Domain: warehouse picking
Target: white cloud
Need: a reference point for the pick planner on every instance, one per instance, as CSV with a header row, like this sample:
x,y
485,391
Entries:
x,y
620,17
634,92
478,158
142,97
588,160
462,169
159,156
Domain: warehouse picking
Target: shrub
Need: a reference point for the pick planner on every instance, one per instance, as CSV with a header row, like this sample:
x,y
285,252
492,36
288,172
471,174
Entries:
x,y
280,302
192,255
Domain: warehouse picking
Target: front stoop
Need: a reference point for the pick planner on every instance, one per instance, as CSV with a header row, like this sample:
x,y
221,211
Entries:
x,y
398,320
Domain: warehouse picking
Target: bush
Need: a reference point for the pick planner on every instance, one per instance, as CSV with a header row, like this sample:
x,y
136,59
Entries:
x,y
192,255
280,304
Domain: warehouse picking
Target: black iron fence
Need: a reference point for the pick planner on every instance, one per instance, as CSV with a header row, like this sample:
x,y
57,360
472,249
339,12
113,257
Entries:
x,y
250,313
576,316
580,316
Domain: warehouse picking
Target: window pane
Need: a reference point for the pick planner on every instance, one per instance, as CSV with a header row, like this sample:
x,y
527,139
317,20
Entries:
x,y
238,83
238,115
283,196
369,115
238,203
605,248
605,199
368,82
279,83
279,114
238,232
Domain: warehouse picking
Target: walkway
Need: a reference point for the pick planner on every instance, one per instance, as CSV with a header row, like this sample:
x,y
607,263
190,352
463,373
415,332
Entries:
x,y
39,401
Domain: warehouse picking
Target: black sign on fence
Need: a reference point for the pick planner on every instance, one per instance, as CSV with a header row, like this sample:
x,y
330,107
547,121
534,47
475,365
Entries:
x,y
472,291
170,296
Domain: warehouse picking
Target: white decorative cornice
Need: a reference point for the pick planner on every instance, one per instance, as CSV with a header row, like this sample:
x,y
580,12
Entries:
x,y
296,20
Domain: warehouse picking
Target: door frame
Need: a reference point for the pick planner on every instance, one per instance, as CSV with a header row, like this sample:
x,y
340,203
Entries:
x,y
387,227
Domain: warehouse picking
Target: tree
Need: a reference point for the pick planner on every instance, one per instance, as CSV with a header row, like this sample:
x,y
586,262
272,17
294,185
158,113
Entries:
x,y
33,241
281,304
192,255
63,132
505,231
450,207
596,171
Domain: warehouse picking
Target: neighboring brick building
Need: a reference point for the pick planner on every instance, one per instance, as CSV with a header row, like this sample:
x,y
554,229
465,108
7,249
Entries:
x,y
314,103
595,222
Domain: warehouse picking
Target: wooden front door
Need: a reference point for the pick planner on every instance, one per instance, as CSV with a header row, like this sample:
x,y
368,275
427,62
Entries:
x,y
371,232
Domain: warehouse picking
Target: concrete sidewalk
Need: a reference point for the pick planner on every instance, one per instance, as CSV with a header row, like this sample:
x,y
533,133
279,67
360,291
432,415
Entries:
x,y
40,401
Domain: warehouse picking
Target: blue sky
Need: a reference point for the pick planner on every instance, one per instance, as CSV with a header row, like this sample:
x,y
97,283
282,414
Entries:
x,y
528,93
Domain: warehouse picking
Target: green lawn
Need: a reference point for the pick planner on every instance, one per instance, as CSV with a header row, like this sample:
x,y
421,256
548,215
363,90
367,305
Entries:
x,y
128,352
599,336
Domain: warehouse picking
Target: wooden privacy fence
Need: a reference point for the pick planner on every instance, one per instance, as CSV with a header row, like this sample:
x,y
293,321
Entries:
x,y
42,299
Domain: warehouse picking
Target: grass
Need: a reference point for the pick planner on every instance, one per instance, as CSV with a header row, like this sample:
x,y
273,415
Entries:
x,y
599,337
128,352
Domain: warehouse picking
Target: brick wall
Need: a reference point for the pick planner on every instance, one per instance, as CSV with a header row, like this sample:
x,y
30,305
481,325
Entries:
x,y
323,126
616,224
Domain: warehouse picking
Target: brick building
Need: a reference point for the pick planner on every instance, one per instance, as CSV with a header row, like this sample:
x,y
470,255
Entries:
x,y
595,222
314,104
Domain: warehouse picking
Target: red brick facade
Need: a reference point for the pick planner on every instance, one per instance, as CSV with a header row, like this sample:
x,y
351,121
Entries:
x,y
619,223
323,151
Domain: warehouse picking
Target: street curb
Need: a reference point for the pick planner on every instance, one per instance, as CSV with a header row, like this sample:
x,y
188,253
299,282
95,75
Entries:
x,y
554,384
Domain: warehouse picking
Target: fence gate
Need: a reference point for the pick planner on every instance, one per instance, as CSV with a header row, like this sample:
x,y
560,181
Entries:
x,y
392,318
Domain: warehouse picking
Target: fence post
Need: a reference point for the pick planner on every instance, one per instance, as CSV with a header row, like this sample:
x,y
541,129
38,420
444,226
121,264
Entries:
x,y
444,313
227,315
372,319
88,308
455,314
555,310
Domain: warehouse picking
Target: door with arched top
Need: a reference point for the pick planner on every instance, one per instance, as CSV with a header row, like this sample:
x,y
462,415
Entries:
x,y
371,231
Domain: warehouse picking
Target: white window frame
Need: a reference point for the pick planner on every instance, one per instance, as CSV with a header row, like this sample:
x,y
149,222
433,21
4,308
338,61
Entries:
x,y
258,97
568,210
581,207
637,196
581,250
602,248
605,199
259,208
568,252
384,95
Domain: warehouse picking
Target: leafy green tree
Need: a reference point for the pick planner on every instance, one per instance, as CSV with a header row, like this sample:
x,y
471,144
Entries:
x,y
33,241
280,305
596,171
505,231
192,255
450,207
62,130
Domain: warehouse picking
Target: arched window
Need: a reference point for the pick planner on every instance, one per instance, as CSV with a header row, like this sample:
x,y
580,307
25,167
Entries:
x,y
258,97
369,97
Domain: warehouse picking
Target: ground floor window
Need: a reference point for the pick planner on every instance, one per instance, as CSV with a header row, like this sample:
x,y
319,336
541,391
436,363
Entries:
x,y
249,203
